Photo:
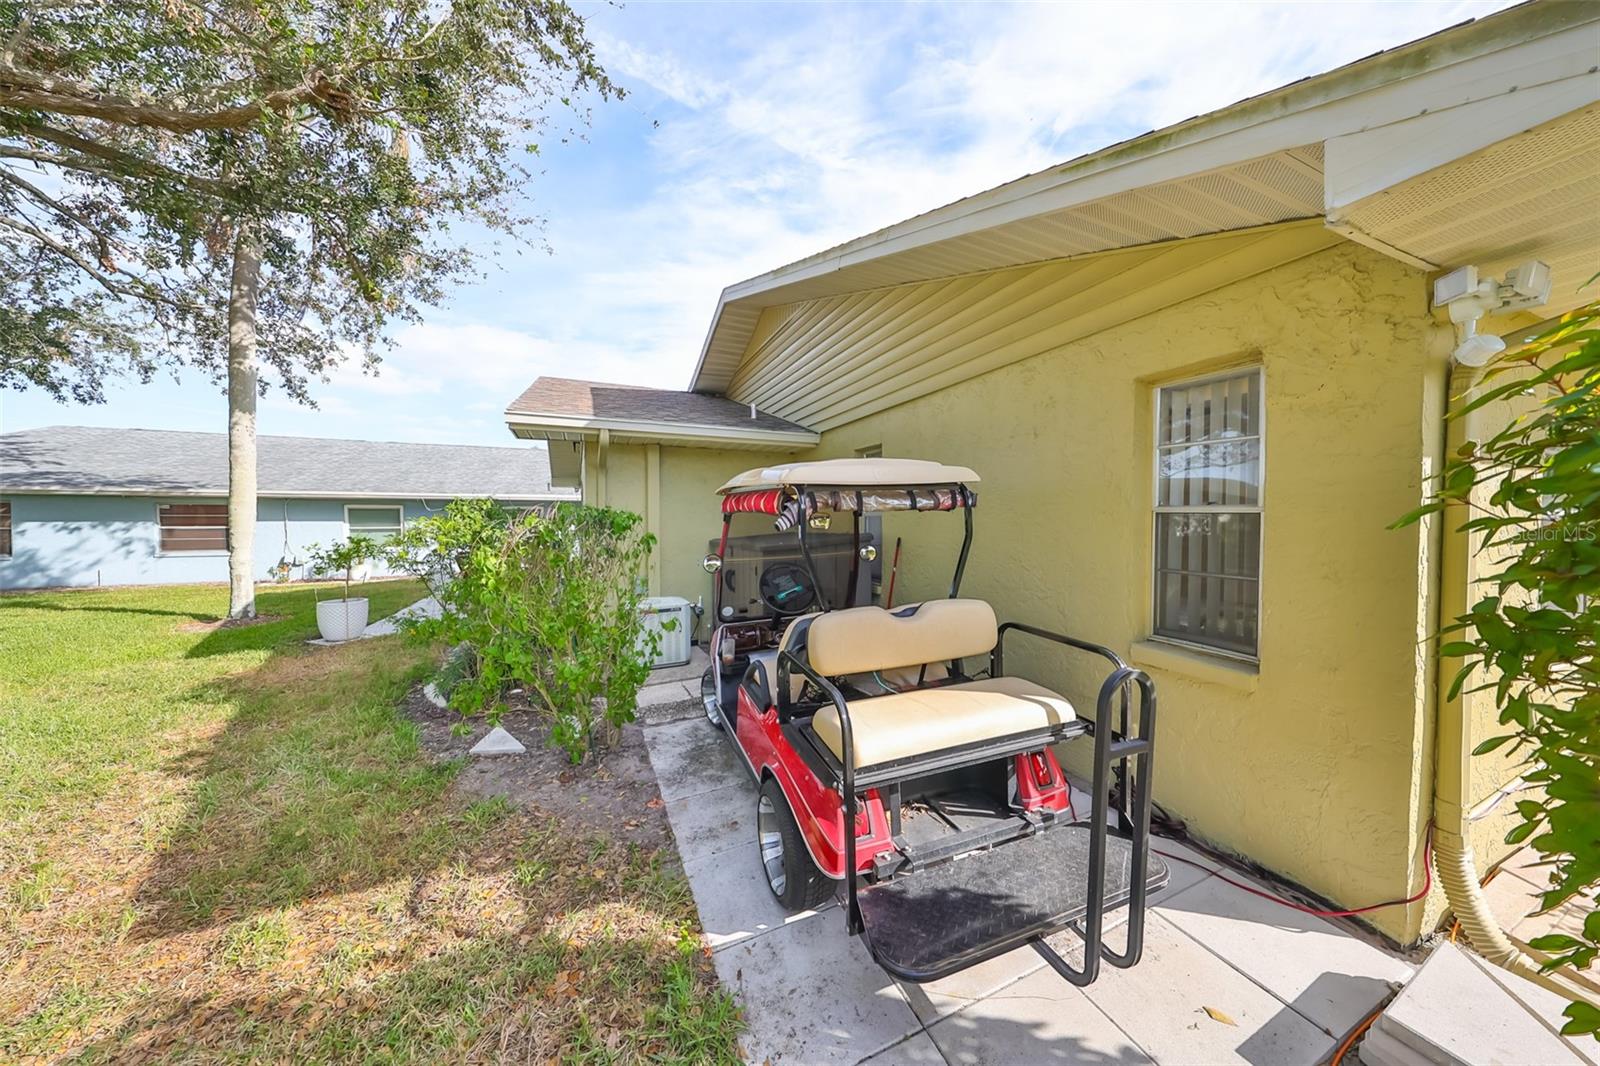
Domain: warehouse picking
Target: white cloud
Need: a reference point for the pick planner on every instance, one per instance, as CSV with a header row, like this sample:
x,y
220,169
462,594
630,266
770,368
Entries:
x,y
773,151
784,130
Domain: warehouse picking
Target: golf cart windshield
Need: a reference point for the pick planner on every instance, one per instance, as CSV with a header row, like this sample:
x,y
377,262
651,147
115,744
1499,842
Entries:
x,y
804,496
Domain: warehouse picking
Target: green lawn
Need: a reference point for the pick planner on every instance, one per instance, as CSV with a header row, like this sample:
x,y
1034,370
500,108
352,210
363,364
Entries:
x,y
226,845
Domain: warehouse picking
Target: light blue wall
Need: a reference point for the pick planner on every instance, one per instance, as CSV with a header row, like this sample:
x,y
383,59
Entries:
x,y
111,540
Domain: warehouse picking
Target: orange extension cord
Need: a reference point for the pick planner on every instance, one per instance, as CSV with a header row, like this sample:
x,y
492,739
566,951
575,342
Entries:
x,y
1355,1034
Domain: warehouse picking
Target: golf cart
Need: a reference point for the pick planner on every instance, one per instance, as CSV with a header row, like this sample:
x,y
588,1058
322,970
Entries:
x,y
898,764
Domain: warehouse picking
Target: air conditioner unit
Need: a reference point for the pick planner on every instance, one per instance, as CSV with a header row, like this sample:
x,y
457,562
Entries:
x,y
673,618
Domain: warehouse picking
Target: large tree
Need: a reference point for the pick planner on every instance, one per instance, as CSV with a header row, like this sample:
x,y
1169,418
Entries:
x,y
188,183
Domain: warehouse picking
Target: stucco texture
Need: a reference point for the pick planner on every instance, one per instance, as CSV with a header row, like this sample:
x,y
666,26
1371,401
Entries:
x,y
1318,763
683,510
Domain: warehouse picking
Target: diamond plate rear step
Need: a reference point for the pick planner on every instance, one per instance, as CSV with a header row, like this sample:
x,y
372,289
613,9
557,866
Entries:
x,y
934,922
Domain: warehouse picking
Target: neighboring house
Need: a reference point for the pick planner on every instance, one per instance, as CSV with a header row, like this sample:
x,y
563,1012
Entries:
x,y
82,506
1200,374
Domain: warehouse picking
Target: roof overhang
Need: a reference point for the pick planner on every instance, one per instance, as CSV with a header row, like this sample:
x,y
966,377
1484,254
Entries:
x,y
1520,180
1253,163
551,427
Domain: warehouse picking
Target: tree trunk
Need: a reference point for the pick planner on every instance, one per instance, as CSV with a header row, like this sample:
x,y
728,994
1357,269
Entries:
x,y
242,424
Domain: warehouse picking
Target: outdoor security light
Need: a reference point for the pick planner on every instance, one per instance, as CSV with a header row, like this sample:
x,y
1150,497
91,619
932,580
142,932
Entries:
x,y
1476,349
1468,298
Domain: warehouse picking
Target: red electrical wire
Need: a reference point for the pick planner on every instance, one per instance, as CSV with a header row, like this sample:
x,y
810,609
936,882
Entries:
x,y
1427,885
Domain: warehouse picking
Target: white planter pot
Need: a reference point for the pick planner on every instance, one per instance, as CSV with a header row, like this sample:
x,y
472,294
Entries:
x,y
342,619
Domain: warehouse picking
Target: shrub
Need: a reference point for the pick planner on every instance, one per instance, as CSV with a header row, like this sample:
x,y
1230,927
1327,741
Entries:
x,y
1532,493
343,555
549,603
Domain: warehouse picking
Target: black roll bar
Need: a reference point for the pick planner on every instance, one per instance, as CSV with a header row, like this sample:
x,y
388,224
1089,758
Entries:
x,y
966,542
1112,749
855,559
811,564
718,579
967,502
847,751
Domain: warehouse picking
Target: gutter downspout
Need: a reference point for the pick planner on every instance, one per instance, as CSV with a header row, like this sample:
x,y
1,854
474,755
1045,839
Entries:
x,y
1452,778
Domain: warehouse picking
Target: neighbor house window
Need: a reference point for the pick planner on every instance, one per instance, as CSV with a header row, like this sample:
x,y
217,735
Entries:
x,y
193,527
5,529
1208,512
379,523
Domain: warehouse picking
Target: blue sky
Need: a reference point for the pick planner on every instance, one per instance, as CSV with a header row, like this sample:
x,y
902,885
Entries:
x,y
756,134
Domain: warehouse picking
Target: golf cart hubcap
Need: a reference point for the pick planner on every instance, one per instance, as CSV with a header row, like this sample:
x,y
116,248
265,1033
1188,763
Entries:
x,y
771,845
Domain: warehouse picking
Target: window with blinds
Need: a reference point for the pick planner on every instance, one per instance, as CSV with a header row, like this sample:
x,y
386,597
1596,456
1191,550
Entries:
x,y
1208,506
379,523
193,527
5,529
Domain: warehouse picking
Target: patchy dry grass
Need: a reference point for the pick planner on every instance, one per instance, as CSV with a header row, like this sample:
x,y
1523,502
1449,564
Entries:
x,y
223,845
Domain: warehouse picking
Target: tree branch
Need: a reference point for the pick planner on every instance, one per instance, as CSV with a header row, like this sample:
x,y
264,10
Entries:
x,y
137,288
56,205
126,161
24,89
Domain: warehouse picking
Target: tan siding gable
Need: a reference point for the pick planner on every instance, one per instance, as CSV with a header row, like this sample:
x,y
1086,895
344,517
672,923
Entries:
x,y
826,362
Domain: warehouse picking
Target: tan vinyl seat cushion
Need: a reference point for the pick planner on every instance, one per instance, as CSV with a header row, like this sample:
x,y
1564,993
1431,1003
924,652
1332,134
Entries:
x,y
860,640
922,721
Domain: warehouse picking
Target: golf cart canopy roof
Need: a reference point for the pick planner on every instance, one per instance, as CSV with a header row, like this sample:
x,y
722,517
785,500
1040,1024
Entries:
x,y
796,491
851,473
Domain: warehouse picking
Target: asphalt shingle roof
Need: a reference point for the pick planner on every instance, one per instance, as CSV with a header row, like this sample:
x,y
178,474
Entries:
x,y
571,398
150,461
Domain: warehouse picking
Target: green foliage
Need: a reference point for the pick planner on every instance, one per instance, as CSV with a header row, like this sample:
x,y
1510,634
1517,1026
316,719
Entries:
x,y
376,148
1534,492
343,555
546,603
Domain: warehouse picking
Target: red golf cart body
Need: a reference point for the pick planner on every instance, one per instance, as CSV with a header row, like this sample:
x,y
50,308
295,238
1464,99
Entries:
x,y
900,766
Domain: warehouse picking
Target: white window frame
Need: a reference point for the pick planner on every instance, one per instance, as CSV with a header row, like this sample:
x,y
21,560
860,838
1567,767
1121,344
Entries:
x,y
1157,509
192,553
11,528
398,509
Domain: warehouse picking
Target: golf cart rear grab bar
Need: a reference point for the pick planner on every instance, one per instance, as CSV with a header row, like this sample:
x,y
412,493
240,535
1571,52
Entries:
x,y
847,752
997,669
1111,749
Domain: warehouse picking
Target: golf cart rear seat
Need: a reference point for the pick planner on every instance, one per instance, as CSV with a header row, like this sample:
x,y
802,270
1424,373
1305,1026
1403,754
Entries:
x,y
870,641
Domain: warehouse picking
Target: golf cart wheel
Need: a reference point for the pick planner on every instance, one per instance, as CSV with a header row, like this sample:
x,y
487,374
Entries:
x,y
792,876
711,696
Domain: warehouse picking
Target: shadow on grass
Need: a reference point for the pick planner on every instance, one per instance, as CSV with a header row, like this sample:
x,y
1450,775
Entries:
x,y
262,636
298,606
315,785
22,602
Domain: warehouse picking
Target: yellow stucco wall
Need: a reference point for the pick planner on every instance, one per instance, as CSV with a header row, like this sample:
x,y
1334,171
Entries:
x,y
1319,763
686,516
1314,764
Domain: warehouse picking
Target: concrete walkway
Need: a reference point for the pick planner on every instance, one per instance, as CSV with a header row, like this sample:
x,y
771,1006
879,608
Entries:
x,y
1287,987
673,692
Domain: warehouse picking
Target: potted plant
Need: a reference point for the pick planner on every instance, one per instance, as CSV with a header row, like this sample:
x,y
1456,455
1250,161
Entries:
x,y
339,620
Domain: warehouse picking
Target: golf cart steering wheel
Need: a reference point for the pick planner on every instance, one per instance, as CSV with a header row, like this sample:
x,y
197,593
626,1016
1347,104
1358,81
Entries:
x,y
786,588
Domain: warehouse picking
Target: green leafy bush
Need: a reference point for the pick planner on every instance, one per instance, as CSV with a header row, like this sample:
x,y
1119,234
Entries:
x,y
1534,495
343,556
548,603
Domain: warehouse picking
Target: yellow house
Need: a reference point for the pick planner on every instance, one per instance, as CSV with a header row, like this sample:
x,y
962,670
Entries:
x,y
1272,264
